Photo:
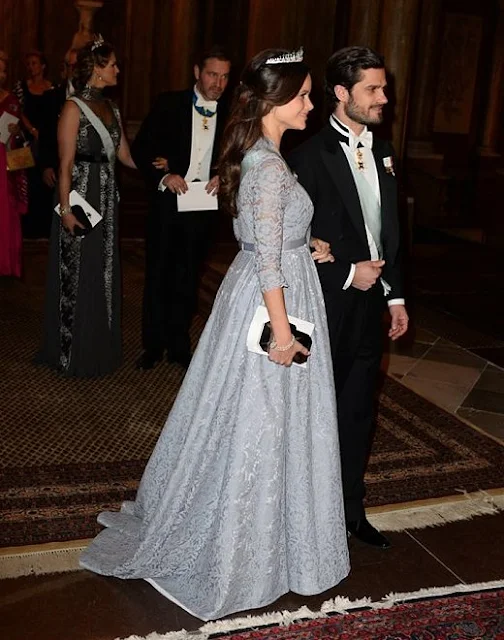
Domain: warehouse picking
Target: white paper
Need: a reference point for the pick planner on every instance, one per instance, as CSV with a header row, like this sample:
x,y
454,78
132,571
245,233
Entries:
x,y
196,198
261,316
5,120
93,216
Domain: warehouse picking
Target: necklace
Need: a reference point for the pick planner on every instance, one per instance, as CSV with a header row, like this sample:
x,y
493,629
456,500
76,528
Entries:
x,y
92,93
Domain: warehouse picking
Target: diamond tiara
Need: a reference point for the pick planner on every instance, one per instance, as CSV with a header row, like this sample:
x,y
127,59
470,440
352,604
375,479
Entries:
x,y
97,42
287,58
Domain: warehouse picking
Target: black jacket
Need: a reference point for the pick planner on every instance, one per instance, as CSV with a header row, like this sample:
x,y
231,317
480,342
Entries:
x,y
323,170
167,132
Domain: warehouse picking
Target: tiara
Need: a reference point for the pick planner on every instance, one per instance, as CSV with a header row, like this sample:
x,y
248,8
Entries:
x,y
97,42
287,58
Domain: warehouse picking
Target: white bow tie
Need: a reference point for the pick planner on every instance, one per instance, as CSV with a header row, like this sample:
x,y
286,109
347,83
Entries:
x,y
365,139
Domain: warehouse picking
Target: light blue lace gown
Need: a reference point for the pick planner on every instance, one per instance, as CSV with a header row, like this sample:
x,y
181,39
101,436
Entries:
x,y
241,500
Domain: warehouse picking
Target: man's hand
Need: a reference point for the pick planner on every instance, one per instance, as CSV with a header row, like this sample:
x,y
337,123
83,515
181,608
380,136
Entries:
x,y
49,177
367,273
321,250
213,186
399,321
175,183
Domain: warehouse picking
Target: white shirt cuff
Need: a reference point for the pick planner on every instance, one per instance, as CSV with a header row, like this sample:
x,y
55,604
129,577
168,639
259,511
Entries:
x,y
348,281
161,186
395,301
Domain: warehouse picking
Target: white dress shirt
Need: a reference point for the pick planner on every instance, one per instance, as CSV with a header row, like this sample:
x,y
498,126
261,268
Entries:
x,y
364,142
203,136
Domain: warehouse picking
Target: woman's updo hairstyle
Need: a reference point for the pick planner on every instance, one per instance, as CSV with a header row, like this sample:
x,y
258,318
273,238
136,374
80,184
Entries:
x,y
93,54
263,86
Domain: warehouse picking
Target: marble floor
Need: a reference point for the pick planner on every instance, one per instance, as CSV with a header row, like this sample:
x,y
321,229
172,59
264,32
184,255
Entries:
x,y
451,377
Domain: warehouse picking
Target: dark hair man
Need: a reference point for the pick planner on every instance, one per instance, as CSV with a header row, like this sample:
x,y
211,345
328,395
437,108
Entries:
x,y
178,143
350,176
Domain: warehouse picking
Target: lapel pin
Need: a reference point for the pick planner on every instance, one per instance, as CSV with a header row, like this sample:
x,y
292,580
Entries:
x,y
388,163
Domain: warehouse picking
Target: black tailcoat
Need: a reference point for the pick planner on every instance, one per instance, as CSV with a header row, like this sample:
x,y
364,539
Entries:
x,y
355,318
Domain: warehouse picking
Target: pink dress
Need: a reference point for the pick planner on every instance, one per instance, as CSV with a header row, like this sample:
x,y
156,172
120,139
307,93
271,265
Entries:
x,y
13,202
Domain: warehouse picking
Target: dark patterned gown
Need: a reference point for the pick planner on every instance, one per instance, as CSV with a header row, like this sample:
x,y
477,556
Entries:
x,y
82,335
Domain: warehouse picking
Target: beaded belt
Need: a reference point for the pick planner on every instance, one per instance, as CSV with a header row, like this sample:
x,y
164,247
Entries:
x,y
287,245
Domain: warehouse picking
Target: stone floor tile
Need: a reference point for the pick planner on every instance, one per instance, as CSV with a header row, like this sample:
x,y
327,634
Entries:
x,y
473,549
492,379
485,401
443,394
492,423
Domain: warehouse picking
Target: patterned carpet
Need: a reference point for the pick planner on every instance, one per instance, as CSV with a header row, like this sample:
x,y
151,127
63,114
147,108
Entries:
x,y
71,448
462,617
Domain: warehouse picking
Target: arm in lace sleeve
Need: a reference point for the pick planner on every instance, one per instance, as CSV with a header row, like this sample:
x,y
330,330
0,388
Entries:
x,y
268,213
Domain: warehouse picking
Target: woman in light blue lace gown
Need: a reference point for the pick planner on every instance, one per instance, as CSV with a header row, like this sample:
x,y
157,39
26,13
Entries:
x,y
241,500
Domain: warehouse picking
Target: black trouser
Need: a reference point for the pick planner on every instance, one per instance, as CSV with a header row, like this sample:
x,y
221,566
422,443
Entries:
x,y
356,333
176,246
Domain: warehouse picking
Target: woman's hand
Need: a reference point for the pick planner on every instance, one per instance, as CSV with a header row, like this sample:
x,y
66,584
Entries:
x,y
322,250
161,163
285,358
69,221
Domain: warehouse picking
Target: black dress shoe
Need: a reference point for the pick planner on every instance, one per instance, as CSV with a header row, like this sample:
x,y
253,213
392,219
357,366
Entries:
x,y
364,531
148,360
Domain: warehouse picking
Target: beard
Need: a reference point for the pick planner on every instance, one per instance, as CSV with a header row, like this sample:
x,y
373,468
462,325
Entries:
x,y
368,116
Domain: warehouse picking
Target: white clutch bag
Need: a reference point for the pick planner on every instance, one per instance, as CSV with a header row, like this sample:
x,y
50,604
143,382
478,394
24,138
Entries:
x,y
91,214
258,332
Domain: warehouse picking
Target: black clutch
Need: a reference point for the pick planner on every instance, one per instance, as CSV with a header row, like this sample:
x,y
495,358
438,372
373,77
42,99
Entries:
x,y
81,216
302,338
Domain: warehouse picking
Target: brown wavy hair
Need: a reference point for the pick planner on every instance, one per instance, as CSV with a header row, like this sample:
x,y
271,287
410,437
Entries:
x,y
87,59
262,87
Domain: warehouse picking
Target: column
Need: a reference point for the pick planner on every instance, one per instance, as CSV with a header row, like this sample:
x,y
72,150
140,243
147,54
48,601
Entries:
x,y
495,100
85,33
266,23
424,78
397,39
364,23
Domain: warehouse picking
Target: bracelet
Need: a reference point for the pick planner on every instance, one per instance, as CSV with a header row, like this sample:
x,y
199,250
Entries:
x,y
66,209
286,347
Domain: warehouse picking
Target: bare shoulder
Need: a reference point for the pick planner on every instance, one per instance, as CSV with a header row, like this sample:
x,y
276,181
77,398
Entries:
x,y
70,107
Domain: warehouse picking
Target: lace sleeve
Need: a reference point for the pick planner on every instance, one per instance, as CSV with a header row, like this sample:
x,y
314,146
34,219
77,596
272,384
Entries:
x,y
269,185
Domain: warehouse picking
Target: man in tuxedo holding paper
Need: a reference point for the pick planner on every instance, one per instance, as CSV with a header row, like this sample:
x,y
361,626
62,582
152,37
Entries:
x,y
178,144
350,177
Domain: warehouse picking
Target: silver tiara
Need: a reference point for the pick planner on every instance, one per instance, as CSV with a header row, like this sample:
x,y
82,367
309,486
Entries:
x,y
97,42
287,58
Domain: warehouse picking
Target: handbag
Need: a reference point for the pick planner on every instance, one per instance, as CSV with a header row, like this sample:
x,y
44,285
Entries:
x,y
83,211
301,337
259,334
81,216
21,158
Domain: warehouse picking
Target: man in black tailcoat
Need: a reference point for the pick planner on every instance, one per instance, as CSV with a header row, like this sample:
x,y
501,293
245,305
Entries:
x,y
350,177
178,143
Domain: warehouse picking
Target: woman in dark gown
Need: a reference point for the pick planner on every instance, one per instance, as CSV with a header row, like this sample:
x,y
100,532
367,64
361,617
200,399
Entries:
x,y
82,335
